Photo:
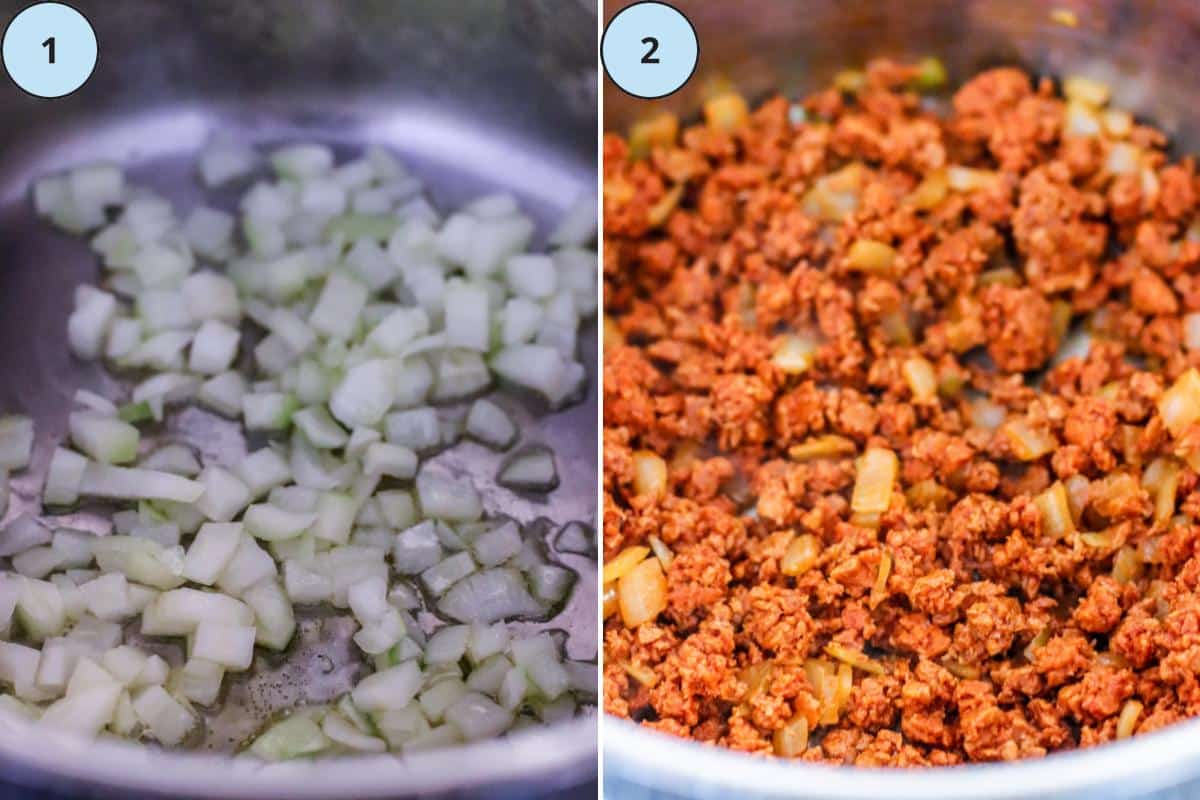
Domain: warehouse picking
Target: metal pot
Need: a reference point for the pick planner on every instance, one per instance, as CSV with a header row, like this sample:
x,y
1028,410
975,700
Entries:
x,y
1147,51
474,96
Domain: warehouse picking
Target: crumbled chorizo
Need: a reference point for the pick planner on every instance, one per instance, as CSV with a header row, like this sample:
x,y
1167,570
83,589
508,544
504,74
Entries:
x,y
789,295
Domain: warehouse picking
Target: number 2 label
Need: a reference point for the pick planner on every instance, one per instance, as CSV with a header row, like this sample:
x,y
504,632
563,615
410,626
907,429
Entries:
x,y
649,58
649,49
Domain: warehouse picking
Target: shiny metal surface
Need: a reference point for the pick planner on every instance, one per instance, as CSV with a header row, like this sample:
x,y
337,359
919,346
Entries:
x,y
474,96
1148,51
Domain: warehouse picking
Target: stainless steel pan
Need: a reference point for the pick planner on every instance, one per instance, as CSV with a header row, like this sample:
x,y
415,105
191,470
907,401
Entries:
x,y
1149,51
474,96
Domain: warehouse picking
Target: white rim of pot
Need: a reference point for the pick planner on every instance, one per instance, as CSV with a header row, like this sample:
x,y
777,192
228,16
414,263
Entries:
x,y
655,760
553,756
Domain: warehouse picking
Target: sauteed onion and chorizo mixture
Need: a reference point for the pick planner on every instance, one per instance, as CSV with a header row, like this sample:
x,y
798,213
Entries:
x,y
902,422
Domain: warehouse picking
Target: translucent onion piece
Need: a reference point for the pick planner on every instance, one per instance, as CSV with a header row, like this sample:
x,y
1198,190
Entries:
x,y
1127,721
921,379
1056,511
1179,405
872,257
649,474
854,658
642,593
801,555
794,354
874,481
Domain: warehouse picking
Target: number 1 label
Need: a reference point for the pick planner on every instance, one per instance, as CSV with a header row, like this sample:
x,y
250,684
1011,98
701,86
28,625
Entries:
x,y
49,49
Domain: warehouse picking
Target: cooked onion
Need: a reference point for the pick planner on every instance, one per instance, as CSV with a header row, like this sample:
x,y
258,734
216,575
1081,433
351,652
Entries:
x,y
649,474
874,481
642,593
801,555
872,257
1179,405
854,658
1056,511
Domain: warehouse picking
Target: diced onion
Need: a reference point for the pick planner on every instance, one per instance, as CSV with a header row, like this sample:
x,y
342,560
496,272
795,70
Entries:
x,y
1056,511
1117,123
1179,405
1085,90
642,593
1127,565
365,309
879,588
874,480
490,424
649,474
792,739
726,111
659,130
1028,443
294,737
16,442
921,379
872,257
531,469
1123,159
610,600
931,191
489,596
850,80
661,551
794,354
826,446
801,555
1127,720
617,567
966,179
854,658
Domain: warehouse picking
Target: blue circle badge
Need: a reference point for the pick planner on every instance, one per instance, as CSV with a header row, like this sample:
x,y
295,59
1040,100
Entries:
x,y
649,49
49,49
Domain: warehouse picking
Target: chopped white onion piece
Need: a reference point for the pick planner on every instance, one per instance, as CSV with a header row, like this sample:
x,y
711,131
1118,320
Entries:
x,y
103,480
392,688
16,442
489,596
231,646
249,565
177,612
89,323
22,533
578,225
164,717
531,469
294,737
448,499
263,470
345,734
104,438
365,394
223,161
478,717
199,681
211,551
382,458
373,309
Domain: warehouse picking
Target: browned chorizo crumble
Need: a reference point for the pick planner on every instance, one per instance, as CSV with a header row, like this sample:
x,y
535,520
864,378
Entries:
x,y
867,499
